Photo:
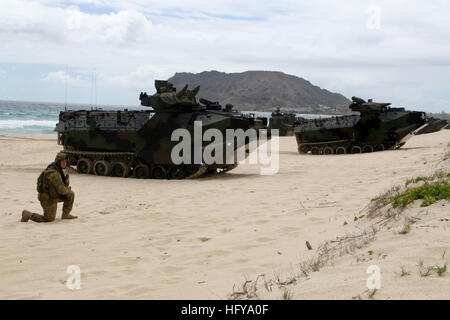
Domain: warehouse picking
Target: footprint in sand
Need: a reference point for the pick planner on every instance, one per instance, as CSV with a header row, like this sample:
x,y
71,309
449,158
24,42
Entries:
x,y
316,221
290,229
168,270
140,291
193,247
204,239
260,221
264,239
248,246
121,262
96,273
56,236
268,265
218,253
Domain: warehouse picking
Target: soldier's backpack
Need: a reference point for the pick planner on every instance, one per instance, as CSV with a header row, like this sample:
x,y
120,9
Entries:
x,y
40,181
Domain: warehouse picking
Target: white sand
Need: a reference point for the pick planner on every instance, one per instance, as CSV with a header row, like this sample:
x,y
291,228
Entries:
x,y
195,239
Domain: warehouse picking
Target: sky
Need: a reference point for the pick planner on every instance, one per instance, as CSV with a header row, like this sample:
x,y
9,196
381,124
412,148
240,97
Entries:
x,y
107,52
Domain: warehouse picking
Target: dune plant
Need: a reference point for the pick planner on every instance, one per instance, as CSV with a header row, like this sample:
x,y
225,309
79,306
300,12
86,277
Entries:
x,y
430,193
404,272
287,294
441,270
372,293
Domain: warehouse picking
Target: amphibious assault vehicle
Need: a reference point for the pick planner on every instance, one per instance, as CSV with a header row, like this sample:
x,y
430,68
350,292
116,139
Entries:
x,y
255,122
283,121
125,142
377,127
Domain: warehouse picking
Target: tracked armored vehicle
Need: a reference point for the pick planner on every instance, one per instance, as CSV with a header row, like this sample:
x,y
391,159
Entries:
x,y
283,121
255,122
377,127
138,143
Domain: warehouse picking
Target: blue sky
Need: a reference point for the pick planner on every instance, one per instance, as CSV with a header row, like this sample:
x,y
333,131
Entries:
x,y
91,8
30,82
393,51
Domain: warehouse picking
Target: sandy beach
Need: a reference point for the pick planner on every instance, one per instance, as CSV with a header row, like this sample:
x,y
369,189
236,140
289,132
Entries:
x,y
197,239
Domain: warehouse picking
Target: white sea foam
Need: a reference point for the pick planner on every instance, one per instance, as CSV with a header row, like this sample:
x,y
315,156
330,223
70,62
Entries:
x,y
18,124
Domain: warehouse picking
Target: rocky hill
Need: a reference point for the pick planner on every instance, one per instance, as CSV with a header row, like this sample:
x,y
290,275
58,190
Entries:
x,y
263,91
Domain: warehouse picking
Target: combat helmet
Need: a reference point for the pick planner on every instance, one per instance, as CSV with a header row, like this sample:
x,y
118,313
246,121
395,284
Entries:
x,y
60,156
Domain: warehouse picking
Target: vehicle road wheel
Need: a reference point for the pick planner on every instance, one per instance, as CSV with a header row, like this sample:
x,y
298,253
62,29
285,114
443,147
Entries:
x,y
328,150
177,172
356,149
303,149
119,169
84,165
367,148
102,168
141,171
159,172
379,147
341,150
316,150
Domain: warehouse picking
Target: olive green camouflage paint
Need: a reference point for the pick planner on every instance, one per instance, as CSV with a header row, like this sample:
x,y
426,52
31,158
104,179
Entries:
x,y
282,121
377,124
146,133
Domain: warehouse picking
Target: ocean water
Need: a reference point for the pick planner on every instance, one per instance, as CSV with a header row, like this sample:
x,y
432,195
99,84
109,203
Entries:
x,y
19,118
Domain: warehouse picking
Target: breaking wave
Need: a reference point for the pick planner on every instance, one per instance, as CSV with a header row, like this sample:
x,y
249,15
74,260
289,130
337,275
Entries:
x,y
24,124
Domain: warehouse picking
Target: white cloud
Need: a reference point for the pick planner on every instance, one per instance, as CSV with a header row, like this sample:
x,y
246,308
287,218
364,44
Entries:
x,y
141,78
61,77
327,42
2,75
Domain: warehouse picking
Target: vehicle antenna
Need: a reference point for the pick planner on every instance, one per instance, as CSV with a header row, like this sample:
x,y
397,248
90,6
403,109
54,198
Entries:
x,y
65,87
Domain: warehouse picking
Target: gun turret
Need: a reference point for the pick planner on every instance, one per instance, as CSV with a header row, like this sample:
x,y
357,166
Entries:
x,y
211,105
361,105
167,97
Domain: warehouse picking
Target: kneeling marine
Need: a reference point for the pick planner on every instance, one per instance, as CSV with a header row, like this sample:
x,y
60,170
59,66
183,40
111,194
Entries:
x,y
53,187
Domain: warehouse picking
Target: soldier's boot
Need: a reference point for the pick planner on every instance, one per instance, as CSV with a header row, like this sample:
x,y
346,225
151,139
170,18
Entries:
x,y
67,206
68,216
26,215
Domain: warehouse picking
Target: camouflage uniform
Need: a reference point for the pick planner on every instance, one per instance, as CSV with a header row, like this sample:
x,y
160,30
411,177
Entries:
x,y
56,190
